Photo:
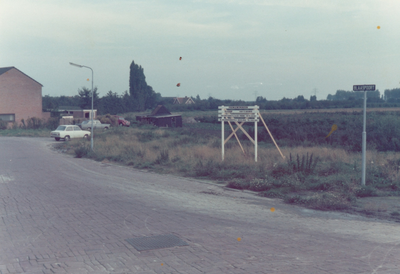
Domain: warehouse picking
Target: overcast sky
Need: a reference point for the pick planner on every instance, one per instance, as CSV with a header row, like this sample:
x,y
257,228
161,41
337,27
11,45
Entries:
x,y
230,49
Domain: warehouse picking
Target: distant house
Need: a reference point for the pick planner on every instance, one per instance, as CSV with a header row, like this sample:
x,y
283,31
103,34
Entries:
x,y
161,117
183,101
20,96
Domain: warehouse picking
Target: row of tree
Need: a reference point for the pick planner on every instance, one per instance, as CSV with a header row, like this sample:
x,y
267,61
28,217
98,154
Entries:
x,y
389,95
141,97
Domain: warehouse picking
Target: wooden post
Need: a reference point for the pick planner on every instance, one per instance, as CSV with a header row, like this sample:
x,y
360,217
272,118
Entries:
x,y
236,137
271,136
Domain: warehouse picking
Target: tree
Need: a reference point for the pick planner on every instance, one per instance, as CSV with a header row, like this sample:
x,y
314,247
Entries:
x,y
49,103
152,98
261,99
111,103
299,98
85,98
392,95
143,95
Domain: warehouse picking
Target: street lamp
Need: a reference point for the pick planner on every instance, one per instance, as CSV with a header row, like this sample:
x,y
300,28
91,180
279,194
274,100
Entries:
x,y
91,128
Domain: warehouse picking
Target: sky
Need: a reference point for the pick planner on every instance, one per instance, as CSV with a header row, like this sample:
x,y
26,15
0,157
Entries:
x,y
230,49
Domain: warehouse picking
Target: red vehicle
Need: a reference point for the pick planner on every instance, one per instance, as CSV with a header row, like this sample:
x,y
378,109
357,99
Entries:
x,y
122,122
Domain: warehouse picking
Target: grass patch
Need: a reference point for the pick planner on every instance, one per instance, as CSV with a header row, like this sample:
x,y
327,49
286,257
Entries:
x,y
20,132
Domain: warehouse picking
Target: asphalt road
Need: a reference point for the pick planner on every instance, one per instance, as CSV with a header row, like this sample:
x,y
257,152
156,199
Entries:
x,y
59,214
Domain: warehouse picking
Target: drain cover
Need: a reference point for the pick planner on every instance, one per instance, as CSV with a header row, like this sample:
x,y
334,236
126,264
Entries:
x,y
156,242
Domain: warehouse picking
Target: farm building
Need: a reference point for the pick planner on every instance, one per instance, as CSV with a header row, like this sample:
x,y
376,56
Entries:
x,y
183,101
21,96
77,112
161,117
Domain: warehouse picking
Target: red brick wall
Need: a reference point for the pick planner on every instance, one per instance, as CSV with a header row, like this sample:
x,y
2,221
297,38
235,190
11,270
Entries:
x,y
20,95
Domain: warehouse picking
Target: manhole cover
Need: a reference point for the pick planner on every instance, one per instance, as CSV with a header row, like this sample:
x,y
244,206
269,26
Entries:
x,y
156,242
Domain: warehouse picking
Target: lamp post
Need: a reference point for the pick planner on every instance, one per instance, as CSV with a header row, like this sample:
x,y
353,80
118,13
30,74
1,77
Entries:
x,y
91,128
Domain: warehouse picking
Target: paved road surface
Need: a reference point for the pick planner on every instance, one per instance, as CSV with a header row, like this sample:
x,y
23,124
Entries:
x,y
59,214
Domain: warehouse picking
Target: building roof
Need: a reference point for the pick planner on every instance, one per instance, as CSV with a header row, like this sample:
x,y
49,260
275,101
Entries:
x,y
183,100
5,69
160,110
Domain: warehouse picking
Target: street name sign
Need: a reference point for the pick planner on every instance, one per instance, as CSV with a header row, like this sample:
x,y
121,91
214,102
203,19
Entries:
x,y
238,114
363,87
227,119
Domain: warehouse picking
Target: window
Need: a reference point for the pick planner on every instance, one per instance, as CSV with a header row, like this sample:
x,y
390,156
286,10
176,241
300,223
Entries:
x,y
7,117
69,129
76,128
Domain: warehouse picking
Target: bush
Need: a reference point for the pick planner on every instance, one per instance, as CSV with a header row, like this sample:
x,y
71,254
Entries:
x,y
206,169
259,185
365,191
52,123
34,123
163,157
395,214
275,193
238,185
3,125
305,164
325,201
82,151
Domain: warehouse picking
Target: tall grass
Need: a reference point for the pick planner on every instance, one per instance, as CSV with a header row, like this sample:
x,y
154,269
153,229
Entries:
x,y
318,177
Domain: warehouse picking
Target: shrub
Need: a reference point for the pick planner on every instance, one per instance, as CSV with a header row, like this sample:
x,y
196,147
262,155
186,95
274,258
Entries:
x,y
325,201
365,191
52,123
82,151
259,185
395,214
206,169
34,123
304,164
3,125
274,193
238,185
163,157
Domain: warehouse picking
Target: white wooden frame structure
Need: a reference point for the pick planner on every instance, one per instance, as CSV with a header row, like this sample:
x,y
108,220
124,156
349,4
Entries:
x,y
241,114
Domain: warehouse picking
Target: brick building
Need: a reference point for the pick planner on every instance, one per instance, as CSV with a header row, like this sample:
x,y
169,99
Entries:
x,y
20,96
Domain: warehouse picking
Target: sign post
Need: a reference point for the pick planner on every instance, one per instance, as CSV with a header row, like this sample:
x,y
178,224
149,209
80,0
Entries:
x,y
239,116
364,88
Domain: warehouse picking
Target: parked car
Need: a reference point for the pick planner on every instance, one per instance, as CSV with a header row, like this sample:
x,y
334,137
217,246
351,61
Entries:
x,y
96,124
122,121
67,132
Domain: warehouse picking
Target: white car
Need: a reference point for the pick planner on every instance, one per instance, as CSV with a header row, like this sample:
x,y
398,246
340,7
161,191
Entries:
x,y
67,132
96,125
